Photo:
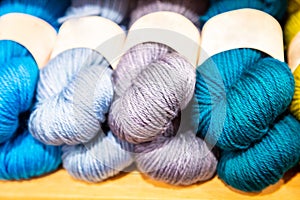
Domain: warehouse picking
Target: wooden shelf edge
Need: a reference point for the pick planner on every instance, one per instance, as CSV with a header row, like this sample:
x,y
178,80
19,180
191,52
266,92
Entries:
x,y
133,185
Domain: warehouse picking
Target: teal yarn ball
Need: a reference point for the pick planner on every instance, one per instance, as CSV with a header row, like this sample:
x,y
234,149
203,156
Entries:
x,y
251,92
260,142
22,156
265,162
276,8
242,97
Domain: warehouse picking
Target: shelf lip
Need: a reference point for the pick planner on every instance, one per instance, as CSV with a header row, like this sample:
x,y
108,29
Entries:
x,y
133,185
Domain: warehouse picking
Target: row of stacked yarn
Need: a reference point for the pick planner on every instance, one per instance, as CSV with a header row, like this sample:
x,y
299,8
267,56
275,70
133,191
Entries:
x,y
155,111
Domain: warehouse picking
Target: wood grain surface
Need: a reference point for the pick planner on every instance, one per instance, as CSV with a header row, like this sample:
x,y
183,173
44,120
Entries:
x,y
133,185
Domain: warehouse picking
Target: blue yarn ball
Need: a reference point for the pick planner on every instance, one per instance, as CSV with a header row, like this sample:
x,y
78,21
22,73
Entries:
x,y
18,77
23,156
265,162
251,91
276,8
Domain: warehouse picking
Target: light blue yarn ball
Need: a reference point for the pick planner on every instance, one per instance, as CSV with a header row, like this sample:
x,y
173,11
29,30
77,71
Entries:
x,y
103,157
74,93
73,97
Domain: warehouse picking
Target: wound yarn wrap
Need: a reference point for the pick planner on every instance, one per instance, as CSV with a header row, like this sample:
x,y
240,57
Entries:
x,y
21,156
73,97
259,137
153,85
292,28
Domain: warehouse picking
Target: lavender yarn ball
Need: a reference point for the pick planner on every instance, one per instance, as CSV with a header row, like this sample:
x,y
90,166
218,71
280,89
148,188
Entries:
x,y
73,96
153,87
153,84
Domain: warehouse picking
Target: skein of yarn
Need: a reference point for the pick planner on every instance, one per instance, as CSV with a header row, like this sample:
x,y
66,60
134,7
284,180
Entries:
x,y
153,85
22,156
292,38
259,138
74,95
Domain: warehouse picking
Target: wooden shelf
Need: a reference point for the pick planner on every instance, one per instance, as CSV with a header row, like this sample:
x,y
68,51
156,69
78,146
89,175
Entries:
x,y
60,185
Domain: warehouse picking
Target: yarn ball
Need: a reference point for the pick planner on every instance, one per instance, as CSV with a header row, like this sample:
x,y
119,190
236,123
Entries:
x,y
18,77
276,8
114,10
256,90
265,162
242,97
292,28
73,96
153,84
